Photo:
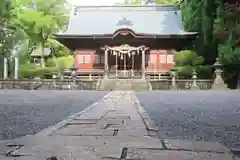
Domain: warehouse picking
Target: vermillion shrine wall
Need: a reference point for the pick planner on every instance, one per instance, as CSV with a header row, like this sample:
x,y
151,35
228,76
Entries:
x,y
160,60
157,60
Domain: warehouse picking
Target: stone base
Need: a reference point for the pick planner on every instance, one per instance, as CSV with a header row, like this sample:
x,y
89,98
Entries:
x,y
219,87
173,88
194,88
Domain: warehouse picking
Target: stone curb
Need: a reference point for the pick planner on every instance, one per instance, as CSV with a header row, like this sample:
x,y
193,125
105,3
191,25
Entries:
x,y
149,123
63,123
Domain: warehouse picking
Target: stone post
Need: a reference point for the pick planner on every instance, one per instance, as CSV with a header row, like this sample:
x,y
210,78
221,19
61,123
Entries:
x,y
132,65
174,85
218,81
116,65
238,81
54,77
143,64
73,77
16,68
106,64
194,80
5,74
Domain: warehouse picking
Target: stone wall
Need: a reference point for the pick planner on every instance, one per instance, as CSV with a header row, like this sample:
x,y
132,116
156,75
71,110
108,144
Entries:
x,y
49,84
180,84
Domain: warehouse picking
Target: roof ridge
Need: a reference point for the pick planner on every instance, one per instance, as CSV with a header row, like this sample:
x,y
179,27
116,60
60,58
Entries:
x,y
129,5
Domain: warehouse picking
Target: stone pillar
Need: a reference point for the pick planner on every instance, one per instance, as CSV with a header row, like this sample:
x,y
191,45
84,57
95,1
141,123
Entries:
x,y
54,77
106,64
124,67
116,66
73,77
132,65
143,64
238,81
16,68
5,74
174,86
218,81
194,80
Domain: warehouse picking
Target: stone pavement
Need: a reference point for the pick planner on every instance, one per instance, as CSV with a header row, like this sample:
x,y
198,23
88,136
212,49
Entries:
x,y
116,127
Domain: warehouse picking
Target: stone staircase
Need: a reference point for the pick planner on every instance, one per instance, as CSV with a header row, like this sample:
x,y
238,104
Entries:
x,y
124,84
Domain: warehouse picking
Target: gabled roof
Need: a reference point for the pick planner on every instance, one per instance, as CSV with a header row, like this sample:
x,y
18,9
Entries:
x,y
37,52
141,19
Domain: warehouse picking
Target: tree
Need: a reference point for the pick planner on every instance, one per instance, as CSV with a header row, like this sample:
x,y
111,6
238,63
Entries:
x,y
156,1
40,20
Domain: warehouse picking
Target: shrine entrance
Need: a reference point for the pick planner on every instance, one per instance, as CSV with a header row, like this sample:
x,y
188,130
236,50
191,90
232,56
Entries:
x,y
125,60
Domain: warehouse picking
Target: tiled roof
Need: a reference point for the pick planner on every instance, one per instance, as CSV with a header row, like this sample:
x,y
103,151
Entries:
x,y
141,19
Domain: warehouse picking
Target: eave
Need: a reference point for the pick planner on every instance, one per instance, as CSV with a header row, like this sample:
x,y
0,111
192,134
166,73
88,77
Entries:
x,y
138,36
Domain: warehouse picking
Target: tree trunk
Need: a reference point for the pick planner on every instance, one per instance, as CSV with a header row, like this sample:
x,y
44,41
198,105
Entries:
x,y
42,55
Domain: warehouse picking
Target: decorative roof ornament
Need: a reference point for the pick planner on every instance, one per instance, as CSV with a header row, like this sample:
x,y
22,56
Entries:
x,y
124,22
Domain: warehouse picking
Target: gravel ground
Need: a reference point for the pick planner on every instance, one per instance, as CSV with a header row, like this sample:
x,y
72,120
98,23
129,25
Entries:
x,y
200,115
28,112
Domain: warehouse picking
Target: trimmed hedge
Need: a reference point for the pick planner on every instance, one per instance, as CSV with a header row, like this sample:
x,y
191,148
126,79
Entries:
x,y
62,62
32,72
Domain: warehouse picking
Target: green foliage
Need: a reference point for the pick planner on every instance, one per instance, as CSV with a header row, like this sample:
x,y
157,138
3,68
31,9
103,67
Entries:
x,y
188,57
40,20
157,1
186,72
59,49
31,71
228,53
61,63
186,61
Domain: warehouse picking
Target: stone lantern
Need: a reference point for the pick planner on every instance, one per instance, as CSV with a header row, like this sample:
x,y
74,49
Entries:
x,y
194,78
218,81
174,75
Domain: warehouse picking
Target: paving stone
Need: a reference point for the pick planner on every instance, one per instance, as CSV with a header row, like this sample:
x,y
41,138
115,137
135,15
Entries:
x,y
215,156
117,117
76,130
2,157
61,152
130,131
101,146
83,121
4,148
110,123
134,123
96,113
195,145
145,154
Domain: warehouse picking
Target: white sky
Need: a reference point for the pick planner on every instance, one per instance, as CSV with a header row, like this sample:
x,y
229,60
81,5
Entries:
x,y
94,2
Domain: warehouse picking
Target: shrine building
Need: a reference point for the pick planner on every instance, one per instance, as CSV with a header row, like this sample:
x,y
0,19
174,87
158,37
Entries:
x,y
136,40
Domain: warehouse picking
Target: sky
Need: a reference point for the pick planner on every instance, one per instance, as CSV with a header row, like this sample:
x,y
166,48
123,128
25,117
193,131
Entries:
x,y
94,2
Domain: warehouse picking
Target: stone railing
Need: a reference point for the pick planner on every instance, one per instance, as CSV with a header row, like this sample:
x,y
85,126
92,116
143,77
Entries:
x,y
180,84
48,84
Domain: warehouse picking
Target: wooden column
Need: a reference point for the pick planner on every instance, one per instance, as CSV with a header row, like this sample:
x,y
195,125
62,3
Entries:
x,y
143,64
106,64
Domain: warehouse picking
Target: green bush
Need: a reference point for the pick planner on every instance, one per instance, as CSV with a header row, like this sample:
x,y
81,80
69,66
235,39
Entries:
x,y
61,62
204,72
186,72
29,71
188,57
